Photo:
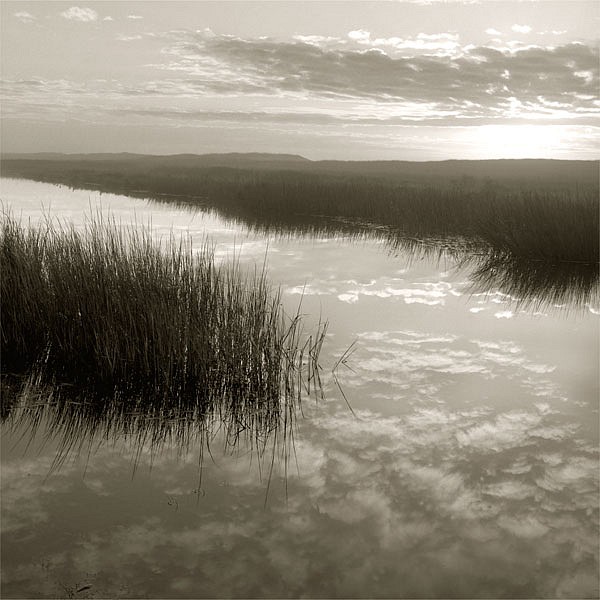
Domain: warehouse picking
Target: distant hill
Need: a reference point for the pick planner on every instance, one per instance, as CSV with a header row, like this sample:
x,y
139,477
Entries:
x,y
62,156
234,159
538,173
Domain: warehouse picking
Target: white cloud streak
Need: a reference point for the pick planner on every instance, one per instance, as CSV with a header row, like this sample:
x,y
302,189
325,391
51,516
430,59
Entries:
x,y
445,42
24,16
76,13
521,28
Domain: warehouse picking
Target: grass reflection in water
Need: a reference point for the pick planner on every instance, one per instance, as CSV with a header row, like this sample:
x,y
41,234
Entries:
x,y
527,279
541,249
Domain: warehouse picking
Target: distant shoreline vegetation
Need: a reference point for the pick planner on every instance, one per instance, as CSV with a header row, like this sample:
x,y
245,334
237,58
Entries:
x,y
536,210
134,332
529,227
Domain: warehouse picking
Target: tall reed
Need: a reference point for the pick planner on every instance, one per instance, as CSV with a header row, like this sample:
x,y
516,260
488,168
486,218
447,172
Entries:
x,y
150,328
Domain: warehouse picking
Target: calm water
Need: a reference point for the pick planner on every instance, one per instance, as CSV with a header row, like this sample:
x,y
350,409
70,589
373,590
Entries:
x,y
468,467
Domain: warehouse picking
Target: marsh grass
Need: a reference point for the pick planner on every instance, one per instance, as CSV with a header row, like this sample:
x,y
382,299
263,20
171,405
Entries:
x,y
540,248
117,331
555,219
539,236
542,227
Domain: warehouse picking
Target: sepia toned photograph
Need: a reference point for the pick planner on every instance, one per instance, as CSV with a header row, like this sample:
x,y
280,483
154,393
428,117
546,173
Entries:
x,y
300,299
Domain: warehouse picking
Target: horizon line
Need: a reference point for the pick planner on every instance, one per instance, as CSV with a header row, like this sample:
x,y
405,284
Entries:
x,y
3,154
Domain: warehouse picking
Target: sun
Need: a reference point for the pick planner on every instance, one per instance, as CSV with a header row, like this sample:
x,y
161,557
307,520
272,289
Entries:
x,y
521,141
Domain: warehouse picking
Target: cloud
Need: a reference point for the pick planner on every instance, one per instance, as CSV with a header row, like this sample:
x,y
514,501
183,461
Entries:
x,y
406,359
428,293
316,288
428,79
317,40
24,16
379,502
445,42
108,18
521,28
24,489
492,31
75,13
404,77
135,17
359,35
128,38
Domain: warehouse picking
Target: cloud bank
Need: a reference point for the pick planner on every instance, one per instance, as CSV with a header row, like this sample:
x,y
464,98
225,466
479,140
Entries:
x,y
332,92
424,76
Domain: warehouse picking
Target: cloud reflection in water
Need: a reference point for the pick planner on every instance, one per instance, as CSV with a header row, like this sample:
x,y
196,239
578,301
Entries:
x,y
443,500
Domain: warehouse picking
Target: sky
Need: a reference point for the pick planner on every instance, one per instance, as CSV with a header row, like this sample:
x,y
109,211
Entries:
x,y
405,80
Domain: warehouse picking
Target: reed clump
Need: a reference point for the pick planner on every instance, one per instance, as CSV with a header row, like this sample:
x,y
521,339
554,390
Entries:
x,y
151,328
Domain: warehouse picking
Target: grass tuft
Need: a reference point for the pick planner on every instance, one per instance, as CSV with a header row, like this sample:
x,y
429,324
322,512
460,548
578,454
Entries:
x,y
155,330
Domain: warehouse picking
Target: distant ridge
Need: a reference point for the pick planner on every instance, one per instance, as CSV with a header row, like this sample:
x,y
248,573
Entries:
x,y
510,171
212,157
65,156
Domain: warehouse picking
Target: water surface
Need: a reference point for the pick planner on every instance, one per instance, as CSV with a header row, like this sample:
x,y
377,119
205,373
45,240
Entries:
x,y
467,467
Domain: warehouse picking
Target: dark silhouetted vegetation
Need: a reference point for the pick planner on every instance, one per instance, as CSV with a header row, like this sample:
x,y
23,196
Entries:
x,y
551,214
143,332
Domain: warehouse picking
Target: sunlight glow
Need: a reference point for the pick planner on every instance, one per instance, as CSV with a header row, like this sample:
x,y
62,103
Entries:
x,y
522,141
